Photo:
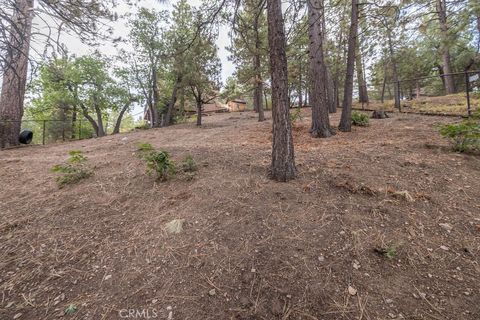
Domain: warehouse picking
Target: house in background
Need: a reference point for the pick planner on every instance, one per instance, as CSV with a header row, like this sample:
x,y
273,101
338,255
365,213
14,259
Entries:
x,y
237,105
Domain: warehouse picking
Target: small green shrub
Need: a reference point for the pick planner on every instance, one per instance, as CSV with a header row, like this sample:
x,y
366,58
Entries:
x,y
189,164
160,163
76,156
391,252
388,252
73,171
144,126
360,119
296,115
145,146
71,309
464,135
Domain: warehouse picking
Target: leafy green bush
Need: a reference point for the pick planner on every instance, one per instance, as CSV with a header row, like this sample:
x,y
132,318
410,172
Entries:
x,y
464,135
296,115
360,119
160,163
73,171
189,164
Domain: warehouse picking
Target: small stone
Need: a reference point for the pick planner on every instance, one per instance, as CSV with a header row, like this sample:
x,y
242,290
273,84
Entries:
x,y
107,277
253,270
388,301
154,301
391,315
212,292
289,296
18,315
356,265
352,291
422,295
446,226
321,258
175,226
169,308
445,248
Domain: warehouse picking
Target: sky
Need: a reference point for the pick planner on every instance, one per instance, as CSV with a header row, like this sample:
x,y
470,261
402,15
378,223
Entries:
x,y
120,29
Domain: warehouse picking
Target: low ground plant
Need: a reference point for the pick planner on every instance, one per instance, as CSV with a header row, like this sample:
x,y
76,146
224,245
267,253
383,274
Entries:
x,y
160,163
464,135
74,170
360,119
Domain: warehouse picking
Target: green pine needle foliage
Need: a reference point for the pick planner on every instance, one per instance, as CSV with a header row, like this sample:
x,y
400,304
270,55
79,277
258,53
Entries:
x,y
465,135
360,119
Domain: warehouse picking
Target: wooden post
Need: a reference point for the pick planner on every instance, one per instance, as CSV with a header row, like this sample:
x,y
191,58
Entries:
x,y
43,136
467,89
397,100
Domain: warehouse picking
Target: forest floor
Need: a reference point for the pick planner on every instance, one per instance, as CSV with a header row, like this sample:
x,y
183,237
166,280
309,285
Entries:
x,y
454,104
381,223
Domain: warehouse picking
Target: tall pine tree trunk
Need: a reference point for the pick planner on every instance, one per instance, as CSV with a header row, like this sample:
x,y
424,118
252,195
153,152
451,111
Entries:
x,y
446,60
346,119
258,94
318,98
330,91
15,74
362,86
393,61
283,158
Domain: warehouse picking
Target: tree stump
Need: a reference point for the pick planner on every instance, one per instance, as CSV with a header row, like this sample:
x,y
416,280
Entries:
x,y
379,114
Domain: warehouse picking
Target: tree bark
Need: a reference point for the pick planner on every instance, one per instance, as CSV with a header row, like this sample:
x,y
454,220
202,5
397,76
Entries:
x,y
446,60
393,60
100,127
258,94
156,100
362,86
118,123
330,91
199,112
15,74
346,119
90,119
283,158
168,120
318,98
74,121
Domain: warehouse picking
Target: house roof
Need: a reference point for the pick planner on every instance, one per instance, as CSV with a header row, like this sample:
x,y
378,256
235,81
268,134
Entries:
x,y
239,101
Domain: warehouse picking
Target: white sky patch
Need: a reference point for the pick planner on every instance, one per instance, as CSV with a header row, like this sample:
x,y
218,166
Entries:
x,y
120,29
75,46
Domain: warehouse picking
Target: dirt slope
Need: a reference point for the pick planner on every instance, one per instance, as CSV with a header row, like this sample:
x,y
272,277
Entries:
x,y
251,248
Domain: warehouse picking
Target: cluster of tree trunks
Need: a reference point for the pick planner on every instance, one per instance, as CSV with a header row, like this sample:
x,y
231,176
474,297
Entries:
x,y
446,60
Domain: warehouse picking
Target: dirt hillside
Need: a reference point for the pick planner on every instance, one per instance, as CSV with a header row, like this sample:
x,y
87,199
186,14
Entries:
x,y
382,223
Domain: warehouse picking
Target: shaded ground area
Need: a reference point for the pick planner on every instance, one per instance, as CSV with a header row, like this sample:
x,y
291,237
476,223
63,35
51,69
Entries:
x,y
382,223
